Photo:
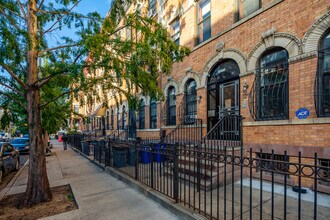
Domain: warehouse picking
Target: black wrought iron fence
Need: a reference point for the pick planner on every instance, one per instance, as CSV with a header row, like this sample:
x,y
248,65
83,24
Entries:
x,y
231,183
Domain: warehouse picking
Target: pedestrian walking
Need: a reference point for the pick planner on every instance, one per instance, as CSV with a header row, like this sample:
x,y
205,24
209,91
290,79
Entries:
x,y
65,141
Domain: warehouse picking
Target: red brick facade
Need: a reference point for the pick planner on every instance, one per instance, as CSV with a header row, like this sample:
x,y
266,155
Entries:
x,y
296,26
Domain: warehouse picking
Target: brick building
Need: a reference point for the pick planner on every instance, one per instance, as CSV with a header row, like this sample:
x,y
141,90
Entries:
x,y
266,60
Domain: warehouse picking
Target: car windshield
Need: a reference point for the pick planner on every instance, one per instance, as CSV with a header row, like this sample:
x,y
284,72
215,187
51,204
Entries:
x,y
19,141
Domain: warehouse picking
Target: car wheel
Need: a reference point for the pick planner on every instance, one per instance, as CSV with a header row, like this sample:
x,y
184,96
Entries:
x,y
17,165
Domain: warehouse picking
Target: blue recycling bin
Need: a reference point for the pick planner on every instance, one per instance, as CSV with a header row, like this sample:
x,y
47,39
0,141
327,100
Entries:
x,y
159,156
146,154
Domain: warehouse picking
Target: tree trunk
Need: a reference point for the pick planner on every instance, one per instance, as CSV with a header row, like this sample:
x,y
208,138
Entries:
x,y
38,189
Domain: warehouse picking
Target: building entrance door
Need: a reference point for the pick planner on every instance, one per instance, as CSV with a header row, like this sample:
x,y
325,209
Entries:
x,y
229,98
223,99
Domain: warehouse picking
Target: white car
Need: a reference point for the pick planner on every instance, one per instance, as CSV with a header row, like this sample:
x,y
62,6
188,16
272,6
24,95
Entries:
x,y
5,136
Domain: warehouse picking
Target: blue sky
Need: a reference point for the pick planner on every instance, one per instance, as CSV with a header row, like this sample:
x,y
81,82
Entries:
x,y
86,6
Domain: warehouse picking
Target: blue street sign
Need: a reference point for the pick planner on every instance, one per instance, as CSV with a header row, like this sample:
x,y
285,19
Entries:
x,y
302,113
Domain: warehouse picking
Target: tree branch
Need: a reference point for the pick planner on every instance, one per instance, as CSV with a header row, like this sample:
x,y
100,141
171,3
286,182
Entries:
x,y
60,18
13,89
22,10
14,99
57,97
10,20
12,74
18,15
56,48
41,3
45,80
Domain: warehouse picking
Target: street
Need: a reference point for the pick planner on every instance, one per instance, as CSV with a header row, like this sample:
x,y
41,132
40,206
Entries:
x,y
9,176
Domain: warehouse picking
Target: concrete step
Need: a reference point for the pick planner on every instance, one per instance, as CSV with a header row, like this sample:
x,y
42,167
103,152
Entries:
x,y
207,182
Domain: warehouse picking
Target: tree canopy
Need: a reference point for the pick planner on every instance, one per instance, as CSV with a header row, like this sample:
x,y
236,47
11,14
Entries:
x,y
97,60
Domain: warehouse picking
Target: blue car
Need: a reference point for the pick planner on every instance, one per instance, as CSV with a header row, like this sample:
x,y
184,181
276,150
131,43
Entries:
x,y
9,159
21,144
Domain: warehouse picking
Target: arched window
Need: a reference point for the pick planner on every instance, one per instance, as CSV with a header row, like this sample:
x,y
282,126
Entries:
x,y
272,85
118,119
224,71
142,115
108,121
171,116
112,118
323,78
153,113
124,116
191,101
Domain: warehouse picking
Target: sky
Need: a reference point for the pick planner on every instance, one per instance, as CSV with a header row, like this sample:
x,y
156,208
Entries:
x,y
86,6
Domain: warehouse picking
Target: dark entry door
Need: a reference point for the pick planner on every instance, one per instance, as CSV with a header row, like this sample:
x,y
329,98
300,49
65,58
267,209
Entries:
x,y
223,93
229,106
229,98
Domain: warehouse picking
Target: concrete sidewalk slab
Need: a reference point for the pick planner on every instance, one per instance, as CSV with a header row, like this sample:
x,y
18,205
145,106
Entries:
x,y
98,195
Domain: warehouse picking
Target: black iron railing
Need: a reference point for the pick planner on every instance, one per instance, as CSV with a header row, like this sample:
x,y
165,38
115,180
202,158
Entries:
x,y
217,177
228,184
191,132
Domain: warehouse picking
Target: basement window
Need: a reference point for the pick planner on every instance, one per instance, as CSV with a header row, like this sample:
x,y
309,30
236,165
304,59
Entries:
x,y
324,172
279,163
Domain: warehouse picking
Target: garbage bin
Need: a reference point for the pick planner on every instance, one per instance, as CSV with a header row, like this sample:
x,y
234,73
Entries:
x,y
159,156
85,147
131,157
146,154
119,157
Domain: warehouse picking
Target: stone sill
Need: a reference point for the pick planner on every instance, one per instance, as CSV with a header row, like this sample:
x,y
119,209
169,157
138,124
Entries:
x,y
238,23
289,122
148,130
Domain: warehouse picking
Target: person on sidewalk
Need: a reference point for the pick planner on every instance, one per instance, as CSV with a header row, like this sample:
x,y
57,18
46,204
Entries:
x,y
65,140
46,141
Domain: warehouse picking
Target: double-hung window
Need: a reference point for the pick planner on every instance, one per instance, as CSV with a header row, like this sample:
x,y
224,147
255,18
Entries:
x,y
76,109
191,101
246,7
204,21
152,7
171,117
118,119
124,117
112,118
142,116
175,31
153,113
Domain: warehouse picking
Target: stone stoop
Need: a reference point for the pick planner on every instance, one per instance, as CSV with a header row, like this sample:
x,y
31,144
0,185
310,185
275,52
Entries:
x,y
213,174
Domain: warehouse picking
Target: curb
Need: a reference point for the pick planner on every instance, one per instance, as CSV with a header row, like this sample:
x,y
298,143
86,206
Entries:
x,y
12,181
150,193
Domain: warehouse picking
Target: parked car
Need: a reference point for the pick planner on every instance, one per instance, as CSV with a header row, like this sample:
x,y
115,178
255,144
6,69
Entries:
x,y
4,137
21,144
9,159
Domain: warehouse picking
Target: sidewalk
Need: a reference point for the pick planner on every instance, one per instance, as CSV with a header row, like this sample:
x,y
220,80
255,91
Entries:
x,y
98,195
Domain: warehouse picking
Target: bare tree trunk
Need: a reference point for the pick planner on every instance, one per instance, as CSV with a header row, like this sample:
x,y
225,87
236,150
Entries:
x,y
38,189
